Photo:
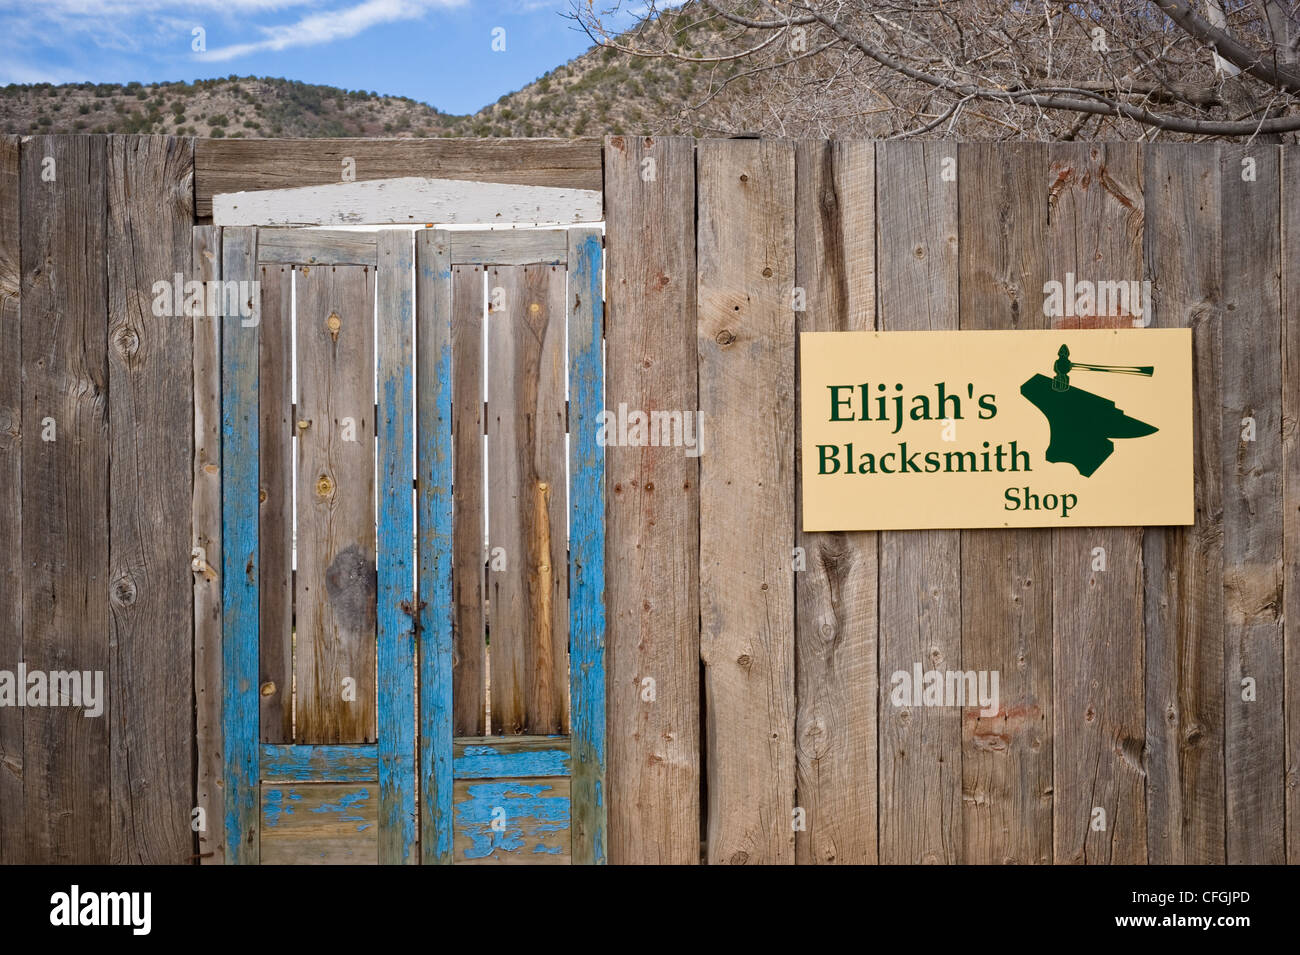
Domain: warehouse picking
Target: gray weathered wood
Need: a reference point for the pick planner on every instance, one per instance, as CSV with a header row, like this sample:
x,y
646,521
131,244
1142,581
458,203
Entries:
x,y
410,200
652,507
320,823
835,586
1291,484
205,558
510,247
11,509
1252,507
920,602
65,481
1095,231
316,247
745,255
275,497
528,609
335,584
1184,565
150,234
468,522
1006,584
236,165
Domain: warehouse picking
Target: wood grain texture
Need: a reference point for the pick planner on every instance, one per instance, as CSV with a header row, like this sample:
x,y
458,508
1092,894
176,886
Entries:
x,y
11,501
150,233
235,165
469,665
1252,506
276,503
316,247
510,247
835,585
652,506
1006,584
535,817
205,557
335,582
586,624
435,555
319,824
1095,230
1290,200
397,601
745,267
1184,565
920,603
406,201
240,553
341,762
65,492
528,609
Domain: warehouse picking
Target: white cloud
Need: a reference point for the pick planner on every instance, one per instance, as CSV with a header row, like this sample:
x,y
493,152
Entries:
x,y
318,28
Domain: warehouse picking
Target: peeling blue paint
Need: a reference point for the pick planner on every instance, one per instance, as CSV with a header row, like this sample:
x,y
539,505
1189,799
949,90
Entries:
x,y
527,812
489,762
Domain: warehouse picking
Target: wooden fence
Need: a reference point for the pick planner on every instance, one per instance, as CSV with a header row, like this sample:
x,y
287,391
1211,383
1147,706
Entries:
x,y
741,689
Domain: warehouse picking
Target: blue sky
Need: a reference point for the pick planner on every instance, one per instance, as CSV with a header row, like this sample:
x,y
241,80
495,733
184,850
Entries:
x,y
435,51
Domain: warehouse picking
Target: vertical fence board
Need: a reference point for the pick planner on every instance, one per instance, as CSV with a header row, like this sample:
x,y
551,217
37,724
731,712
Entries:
x,y
1095,229
1290,201
835,605
239,553
276,505
66,769
205,558
1252,504
397,614
528,598
434,368
1184,565
589,809
469,662
1006,584
336,505
11,505
920,600
652,507
149,239
745,252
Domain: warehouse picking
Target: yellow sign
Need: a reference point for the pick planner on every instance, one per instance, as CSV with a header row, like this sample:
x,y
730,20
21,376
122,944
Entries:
x,y
996,429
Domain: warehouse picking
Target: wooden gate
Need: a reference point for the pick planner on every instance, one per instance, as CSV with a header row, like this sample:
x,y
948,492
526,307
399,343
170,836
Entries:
x,y
411,567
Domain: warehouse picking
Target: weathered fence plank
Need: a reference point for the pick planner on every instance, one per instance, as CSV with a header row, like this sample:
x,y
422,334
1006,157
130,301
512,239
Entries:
x,y
1184,565
469,663
586,623
397,613
319,824
205,557
436,611
1252,505
66,454
652,506
149,238
1290,200
528,609
236,165
920,600
335,658
12,819
1006,583
275,494
240,553
835,579
1095,205
746,343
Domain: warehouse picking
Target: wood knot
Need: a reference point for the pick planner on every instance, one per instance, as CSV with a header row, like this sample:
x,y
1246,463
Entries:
x,y
744,177
127,341
744,660
124,591
767,272
724,337
268,688
334,323
324,486
741,857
